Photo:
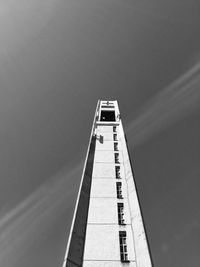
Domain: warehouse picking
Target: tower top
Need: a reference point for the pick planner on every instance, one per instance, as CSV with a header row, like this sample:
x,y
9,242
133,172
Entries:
x,y
107,112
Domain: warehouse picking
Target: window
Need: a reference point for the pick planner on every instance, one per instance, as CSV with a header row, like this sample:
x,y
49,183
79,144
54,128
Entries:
x,y
120,209
103,106
119,190
115,137
117,172
114,129
123,246
107,115
116,157
116,146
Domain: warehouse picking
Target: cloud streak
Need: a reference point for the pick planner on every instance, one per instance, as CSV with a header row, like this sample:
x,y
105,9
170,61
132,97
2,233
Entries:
x,y
170,104
20,228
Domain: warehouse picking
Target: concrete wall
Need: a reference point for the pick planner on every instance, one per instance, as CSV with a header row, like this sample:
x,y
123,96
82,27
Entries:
x,y
102,246
75,251
139,236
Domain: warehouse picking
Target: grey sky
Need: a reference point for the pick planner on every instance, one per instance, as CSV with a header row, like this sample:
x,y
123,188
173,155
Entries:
x,y
56,59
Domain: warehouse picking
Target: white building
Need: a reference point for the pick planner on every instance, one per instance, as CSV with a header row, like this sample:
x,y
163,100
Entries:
x,y
107,228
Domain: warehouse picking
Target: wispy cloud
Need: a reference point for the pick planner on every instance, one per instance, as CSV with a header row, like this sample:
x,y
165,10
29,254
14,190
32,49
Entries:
x,y
170,104
24,224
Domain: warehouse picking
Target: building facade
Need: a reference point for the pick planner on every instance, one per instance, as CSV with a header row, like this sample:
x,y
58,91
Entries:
x,y
107,228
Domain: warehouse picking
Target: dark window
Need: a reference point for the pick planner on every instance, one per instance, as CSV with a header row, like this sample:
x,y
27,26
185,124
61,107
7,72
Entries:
x,y
114,129
107,106
115,137
117,172
107,115
123,246
116,146
119,190
120,209
116,157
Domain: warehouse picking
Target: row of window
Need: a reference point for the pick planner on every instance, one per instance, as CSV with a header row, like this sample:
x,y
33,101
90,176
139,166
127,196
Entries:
x,y
119,190
120,206
116,157
116,146
115,137
117,172
123,246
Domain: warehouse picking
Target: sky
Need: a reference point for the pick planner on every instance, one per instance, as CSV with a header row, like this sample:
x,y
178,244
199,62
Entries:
x,y
57,58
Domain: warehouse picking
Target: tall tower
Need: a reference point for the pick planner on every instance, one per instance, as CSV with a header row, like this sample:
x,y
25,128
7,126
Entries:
x,y
107,228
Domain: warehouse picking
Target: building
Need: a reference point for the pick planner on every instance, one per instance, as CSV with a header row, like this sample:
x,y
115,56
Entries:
x,y
107,228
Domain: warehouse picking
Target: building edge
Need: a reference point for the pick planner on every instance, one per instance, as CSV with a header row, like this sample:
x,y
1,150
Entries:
x,y
79,191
